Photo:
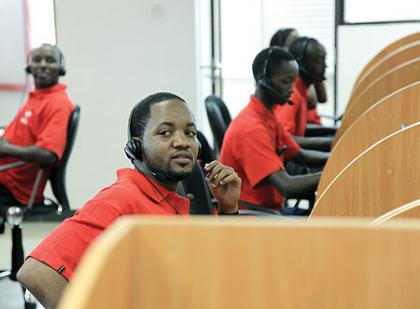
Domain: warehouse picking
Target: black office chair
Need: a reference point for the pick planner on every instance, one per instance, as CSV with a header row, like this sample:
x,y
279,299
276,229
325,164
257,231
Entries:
x,y
206,154
219,118
15,214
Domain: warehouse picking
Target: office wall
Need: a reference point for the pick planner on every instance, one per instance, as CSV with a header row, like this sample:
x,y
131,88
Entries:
x,y
118,52
357,45
12,58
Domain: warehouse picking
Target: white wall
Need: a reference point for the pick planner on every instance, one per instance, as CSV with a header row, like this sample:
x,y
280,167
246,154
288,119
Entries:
x,y
118,52
12,56
357,45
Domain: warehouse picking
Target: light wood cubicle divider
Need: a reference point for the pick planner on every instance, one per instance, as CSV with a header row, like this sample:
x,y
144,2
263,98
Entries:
x,y
385,117
248,263
407,211
402,75
371,65
388,62
382,178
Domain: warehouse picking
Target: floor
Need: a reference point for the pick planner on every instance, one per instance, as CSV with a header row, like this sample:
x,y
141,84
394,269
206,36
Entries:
x,y
33,233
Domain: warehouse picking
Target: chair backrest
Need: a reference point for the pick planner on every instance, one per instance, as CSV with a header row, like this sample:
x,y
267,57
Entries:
x,y
196,188
58,173
219,118
206,154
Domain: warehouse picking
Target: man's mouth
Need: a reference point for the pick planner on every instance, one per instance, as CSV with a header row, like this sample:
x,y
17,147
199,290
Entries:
x,y
182,157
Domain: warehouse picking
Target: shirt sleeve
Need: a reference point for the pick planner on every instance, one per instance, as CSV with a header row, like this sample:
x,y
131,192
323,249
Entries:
x,y
293,148
258,155
63,249
53,131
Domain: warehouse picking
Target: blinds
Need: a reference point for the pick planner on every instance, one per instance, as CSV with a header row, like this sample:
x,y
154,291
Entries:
x,y
313,18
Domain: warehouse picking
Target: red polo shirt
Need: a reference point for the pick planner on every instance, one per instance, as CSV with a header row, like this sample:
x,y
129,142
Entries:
x,y
42,121
294,117
130,194
313,116
250,148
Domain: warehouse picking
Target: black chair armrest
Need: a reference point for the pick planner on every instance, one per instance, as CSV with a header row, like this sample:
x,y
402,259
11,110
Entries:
x,y
12,165
260,209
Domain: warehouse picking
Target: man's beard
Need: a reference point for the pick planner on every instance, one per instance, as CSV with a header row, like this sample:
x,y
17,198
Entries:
x,y
166,174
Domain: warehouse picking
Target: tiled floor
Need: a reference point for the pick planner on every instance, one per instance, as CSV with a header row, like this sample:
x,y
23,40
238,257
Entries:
x,y
33,233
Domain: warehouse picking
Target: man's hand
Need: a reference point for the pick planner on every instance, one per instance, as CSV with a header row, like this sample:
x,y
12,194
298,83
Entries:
x,y
225,185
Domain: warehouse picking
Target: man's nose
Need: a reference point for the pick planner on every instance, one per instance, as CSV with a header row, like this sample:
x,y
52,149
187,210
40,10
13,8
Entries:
x,y
181,140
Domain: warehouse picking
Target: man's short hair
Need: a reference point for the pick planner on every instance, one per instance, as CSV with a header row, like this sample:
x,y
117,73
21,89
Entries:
x,y
273,64
140,114
299,48
279,38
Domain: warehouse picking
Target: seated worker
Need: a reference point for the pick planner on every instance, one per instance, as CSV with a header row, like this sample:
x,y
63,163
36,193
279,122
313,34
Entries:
x,y
163,147
256,145
38,132
310,55
317,92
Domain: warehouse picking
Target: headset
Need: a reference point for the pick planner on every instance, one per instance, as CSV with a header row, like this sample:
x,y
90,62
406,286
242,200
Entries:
x,y
62,66
264,80
302,65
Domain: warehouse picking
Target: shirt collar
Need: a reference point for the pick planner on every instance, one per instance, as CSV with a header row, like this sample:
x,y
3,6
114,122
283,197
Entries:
x,y
43,91
147,185
263,112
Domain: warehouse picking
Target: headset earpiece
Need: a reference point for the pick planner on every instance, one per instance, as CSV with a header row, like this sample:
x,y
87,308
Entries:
x,y
28,69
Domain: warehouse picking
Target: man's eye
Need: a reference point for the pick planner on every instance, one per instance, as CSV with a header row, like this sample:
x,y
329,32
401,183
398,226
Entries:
x,y
51,60
191,133
164,133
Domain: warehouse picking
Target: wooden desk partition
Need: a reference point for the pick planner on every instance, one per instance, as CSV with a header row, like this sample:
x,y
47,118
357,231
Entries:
x,y
388,62
382,178
385,117
384,52
208,263
407,211
401,76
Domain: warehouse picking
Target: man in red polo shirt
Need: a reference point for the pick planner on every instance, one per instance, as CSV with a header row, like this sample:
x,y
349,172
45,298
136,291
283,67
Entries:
x,y
163,147
310,55
255,143
38,133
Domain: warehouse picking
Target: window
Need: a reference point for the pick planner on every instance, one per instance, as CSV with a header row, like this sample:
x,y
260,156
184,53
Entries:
x,y
41,22
247,29
362,11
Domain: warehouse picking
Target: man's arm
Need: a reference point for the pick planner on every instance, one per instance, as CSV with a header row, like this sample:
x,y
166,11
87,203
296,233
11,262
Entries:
x,y
299,186
45,283
314,158
321,143
32,154
317,130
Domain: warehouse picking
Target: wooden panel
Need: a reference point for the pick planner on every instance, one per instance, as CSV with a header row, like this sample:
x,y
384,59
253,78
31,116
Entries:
x,y
393,80
380,179
249,263
384,52
391,60
381,119
407,211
